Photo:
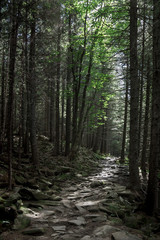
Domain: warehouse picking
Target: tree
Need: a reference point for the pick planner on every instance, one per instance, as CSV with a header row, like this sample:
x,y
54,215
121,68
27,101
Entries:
x,y
134,99
12,58
32,87
153,192
122,160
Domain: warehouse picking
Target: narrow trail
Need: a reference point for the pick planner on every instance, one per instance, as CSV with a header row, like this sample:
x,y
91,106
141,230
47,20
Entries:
x,y
83,210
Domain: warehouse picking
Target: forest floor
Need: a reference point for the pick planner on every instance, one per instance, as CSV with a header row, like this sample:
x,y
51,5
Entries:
x,y
87,199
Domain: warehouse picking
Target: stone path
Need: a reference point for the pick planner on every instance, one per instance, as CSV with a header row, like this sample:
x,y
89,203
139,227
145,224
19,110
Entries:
x,y
85,210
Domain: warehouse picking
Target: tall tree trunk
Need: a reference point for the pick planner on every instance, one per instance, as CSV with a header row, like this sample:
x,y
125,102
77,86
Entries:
x,y
77,140
12,59
26,70
141,82
52,111
68,87
146,124
77,84
134,101
32,90
153,193
62,119
2,98
122,160
57,143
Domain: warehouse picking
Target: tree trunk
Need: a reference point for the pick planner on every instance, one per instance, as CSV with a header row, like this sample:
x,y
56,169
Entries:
x,y
153,193
146,124
122,160
12,59
52,111
26,70
68,87
134,99
141,83
57,143
32,90
2,99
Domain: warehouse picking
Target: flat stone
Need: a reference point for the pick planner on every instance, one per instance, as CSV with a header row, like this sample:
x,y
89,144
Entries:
x,y
71,189
34,231
66,203
96,184
105,231
78,222
49,203
88,203
86,190
86,238
81,209
124,236
59,228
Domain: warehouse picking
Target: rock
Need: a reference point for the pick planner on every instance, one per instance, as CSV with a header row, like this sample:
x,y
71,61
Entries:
x,y
66,203
34,205
96,184
56,198
62,170
124,236
38,195
7,213
81,209
105,231
32,183
2,200
112,195
46,182
127,194
14,198
21,222
59,228
34,231
19,179
86,238
132,222
26,194
31,194
78,222
115,209
49,203
115,220
88,203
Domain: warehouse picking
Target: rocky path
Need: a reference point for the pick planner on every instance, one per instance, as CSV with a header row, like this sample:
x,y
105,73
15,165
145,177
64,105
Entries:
x,y
92,208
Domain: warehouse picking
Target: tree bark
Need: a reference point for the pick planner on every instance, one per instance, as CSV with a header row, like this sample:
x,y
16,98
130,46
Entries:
x,y
122,160
32,90
12,59
142,82
153,192
57,143
146,124
134,99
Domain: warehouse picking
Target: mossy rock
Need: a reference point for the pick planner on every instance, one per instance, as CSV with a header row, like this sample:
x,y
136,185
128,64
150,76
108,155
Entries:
x,y
115,220
34,231
19,179
132,222
21,222
96,184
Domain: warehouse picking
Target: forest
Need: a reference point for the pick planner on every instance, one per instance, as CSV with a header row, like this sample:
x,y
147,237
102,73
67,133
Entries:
x,y
79,80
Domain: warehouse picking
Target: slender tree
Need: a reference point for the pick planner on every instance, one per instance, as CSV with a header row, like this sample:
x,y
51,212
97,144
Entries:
x,y
146,124
32,88
122,160
134,99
